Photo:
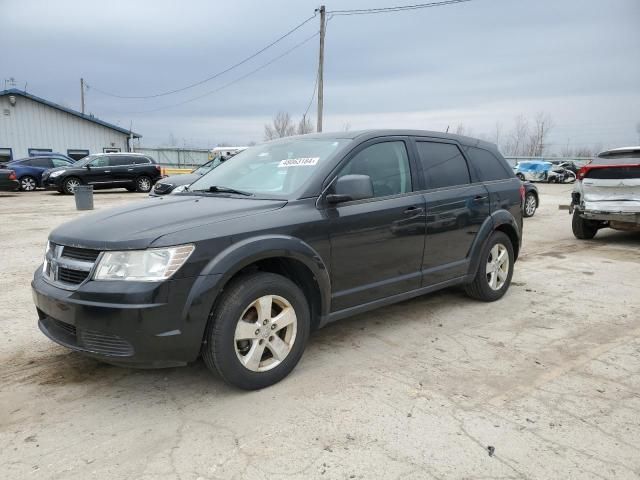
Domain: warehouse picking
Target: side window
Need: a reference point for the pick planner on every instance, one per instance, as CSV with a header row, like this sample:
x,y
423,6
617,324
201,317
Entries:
x,y
118,161
58,162
487,165
100,162
387,164
41,163
442,165
141,160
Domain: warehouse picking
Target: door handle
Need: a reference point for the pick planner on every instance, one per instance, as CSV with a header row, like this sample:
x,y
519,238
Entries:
x,y
129,169
107,171
477,198
412,210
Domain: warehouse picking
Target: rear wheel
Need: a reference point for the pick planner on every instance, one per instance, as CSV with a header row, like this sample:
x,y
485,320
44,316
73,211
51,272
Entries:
x,y
70,184
494,273
258,331
28,183
530,204
583,229
143,184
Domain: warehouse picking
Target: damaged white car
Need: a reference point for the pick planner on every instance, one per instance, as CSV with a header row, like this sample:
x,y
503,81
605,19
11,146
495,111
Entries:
x,y
607,193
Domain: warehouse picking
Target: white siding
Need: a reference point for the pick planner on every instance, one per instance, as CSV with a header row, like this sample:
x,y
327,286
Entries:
x,y
31,124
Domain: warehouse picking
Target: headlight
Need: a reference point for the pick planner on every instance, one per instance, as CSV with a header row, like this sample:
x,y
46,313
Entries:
x,y
180,188
152,265
55,174
45,265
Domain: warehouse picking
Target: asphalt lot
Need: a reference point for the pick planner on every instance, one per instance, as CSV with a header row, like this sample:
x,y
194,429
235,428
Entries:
x,y
549,377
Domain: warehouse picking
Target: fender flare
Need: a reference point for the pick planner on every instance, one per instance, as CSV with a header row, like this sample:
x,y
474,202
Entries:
x,y
243,253
491,224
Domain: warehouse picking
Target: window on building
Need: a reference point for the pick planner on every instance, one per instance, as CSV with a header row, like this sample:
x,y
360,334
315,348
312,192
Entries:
x,y
6,155
387,164
33,152
442,165
77,154
487,166
111,150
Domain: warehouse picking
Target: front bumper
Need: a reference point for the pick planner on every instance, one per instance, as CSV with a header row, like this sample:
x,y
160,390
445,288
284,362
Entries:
x,y
140,324
49,183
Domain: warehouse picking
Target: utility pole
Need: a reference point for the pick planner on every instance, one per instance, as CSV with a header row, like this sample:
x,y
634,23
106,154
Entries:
x,y
82,94
321,67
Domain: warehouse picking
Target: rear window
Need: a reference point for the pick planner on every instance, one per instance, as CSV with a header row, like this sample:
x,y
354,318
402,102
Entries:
x,y
119,161
626,159
487,165
442,165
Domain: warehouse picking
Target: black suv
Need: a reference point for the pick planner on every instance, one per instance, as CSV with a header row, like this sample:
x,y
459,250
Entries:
x,y
133,171
289,236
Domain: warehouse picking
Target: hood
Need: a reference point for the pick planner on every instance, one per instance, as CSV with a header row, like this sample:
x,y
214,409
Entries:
x,y
138,224
178,180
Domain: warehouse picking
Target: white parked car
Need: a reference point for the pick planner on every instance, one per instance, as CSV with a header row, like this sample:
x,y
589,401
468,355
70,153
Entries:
x,y
607,193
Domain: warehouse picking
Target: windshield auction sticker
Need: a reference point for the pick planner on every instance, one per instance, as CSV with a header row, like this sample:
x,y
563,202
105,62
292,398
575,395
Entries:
x,y
299,162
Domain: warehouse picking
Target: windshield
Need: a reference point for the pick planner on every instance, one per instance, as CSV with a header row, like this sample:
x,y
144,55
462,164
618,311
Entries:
x,y
275,169
207,167
85,160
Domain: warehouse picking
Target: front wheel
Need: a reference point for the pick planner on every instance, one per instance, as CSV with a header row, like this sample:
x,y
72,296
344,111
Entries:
x,y
258,331
494,273
70,184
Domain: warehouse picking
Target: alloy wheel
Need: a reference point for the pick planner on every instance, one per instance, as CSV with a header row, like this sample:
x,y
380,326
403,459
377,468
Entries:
x,y
497,269
144,184
265,333
71,185
28,184
530,205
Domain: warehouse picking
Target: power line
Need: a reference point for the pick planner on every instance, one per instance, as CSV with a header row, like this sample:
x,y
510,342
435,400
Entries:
x,y
216,75
397,8
232,82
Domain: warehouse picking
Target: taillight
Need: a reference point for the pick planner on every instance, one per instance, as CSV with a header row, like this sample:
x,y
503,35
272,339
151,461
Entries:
x,y
159,168
12,176
582,172
522,192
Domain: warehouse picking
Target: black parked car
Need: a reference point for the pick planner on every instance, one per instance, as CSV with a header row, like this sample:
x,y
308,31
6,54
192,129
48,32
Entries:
x,y
8,181
171,183
287,237
133,171
531,199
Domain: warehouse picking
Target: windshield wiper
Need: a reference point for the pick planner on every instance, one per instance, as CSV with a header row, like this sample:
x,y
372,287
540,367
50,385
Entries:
x,y
218,189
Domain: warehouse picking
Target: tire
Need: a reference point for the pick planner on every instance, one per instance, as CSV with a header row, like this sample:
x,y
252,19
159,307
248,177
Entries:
x,y
224,351
530,204
520,176
69,185
583,229
143,184
28,183
482,287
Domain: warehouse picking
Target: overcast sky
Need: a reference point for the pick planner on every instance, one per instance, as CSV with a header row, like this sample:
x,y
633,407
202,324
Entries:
x,y
475,63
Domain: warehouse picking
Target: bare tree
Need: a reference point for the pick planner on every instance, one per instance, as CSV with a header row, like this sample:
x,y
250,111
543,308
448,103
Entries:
x,y
497,134
518,137
346,126
305,125
461,129
282,126
542,125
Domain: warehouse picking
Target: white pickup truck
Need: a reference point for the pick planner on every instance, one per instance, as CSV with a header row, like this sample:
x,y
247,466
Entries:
x,y
607,193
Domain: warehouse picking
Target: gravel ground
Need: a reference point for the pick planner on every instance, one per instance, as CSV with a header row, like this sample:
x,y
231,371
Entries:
x,y
542,384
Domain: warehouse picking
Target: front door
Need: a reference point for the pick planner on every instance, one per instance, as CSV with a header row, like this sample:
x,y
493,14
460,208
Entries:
x,y
456,208
98,171
377,243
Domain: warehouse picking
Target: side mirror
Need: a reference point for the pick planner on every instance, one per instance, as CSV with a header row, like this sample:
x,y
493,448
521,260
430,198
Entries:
x,y
351,187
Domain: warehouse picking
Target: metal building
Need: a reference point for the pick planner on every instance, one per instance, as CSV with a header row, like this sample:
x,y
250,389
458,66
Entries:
x,y
30,124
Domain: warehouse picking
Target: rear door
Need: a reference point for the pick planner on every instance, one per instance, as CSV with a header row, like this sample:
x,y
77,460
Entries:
x,y
456,208
122,171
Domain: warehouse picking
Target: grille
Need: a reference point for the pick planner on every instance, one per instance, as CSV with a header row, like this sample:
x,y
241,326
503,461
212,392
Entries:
x,y
162,187
65,327
80,254
105,344
68,275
